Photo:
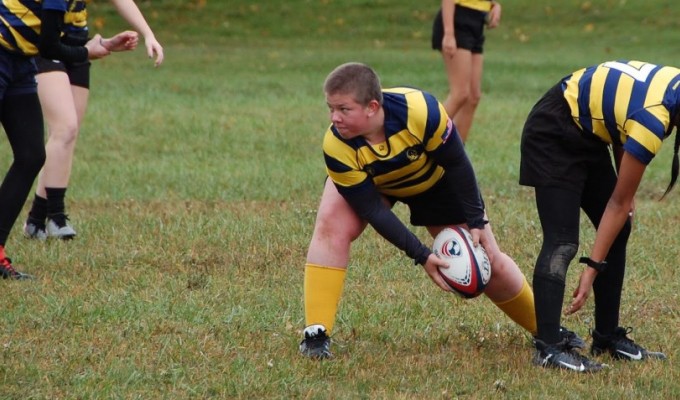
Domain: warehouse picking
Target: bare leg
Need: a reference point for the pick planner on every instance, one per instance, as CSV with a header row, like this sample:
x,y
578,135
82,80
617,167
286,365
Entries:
x,y
459,73
63,106
465,115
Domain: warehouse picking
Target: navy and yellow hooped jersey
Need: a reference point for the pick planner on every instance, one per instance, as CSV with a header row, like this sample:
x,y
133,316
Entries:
x,y
480,5
415,124
628,103
20,21
75,19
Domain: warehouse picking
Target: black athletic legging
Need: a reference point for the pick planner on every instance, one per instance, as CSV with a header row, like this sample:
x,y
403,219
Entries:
x,y
559,212
22,121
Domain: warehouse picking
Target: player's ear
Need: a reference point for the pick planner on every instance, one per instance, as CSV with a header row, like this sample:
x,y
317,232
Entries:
x,y
373,107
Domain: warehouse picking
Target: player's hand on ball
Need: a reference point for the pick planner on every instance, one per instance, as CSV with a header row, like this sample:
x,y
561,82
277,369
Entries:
x,y
476,235
469,268
432,266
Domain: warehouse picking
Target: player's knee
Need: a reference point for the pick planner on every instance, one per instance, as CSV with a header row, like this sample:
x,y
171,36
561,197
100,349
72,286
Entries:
x,y
65,135
461,97
554,260
30,159
328,225
474,98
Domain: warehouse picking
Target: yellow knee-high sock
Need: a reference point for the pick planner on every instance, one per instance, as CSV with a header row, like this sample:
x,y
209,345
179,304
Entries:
x,y
323,288
521,308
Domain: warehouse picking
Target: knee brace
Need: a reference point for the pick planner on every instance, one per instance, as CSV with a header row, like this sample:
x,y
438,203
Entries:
x,y
554,259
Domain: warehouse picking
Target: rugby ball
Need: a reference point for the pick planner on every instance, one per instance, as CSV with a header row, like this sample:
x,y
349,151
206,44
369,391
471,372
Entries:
x,y
469,268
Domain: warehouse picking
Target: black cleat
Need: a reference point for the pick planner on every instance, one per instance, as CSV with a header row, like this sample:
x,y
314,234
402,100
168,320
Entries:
x,y
562,356
573,340
8,272
621,347
316,343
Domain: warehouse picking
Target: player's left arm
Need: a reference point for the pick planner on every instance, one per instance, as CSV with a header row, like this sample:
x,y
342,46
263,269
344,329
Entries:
x,y
131,13
451,156
615,215
444,145
370,206
494,16
618,152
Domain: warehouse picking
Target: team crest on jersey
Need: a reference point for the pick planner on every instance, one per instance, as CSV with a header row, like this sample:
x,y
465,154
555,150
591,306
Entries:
x,y
412,154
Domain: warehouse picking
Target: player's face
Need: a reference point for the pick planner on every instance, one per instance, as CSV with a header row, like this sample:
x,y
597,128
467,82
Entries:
x,y
350,118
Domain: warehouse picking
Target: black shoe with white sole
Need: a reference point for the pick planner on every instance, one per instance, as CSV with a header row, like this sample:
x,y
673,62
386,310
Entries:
x,y
562,356
621,347
316,343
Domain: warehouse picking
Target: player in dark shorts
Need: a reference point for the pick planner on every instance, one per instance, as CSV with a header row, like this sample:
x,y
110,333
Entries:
x,y
63,88
458,33
383,146
20,114
619,109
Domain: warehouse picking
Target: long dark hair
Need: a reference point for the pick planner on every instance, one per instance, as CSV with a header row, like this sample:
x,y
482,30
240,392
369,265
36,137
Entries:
x,y
676,164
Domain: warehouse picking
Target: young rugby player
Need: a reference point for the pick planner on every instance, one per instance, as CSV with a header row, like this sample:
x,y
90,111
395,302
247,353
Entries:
x,y
385,146
630,108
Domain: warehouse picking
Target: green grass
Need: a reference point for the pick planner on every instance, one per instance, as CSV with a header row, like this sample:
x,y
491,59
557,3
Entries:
x,y
194,194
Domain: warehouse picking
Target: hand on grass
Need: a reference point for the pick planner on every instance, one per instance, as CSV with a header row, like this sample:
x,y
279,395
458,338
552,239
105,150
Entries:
x,y
585,285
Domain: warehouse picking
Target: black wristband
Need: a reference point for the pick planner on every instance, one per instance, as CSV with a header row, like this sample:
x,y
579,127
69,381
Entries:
x,y
597,266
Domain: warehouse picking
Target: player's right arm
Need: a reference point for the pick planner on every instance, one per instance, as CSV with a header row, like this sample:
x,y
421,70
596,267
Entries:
x,y
449,45
50,44
369,205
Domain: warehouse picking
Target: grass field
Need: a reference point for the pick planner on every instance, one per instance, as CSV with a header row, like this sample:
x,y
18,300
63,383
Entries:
x,y
194,193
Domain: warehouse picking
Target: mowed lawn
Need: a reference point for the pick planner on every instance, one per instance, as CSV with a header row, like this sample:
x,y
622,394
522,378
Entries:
x,y
194,194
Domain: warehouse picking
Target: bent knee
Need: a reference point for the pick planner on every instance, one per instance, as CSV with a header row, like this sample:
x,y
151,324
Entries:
x,y
474,98
554,260
460,96
64,135
329,225
31,160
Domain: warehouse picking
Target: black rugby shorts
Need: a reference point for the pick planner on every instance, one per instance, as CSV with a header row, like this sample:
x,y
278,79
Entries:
x,y
440,205
468,27
78,73
555,152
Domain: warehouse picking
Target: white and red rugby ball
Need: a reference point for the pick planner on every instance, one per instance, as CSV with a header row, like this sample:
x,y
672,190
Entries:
x,y
469,268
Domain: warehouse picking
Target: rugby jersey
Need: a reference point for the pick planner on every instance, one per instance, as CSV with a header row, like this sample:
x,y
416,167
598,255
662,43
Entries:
x,y
75,19
421,144
20,22
480,5
415,124
628,103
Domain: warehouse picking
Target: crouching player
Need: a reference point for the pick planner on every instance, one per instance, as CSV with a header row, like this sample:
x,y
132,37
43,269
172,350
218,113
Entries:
x,y
385,146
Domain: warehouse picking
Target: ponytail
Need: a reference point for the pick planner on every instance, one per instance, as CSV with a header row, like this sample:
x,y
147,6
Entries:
x,y
676,164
